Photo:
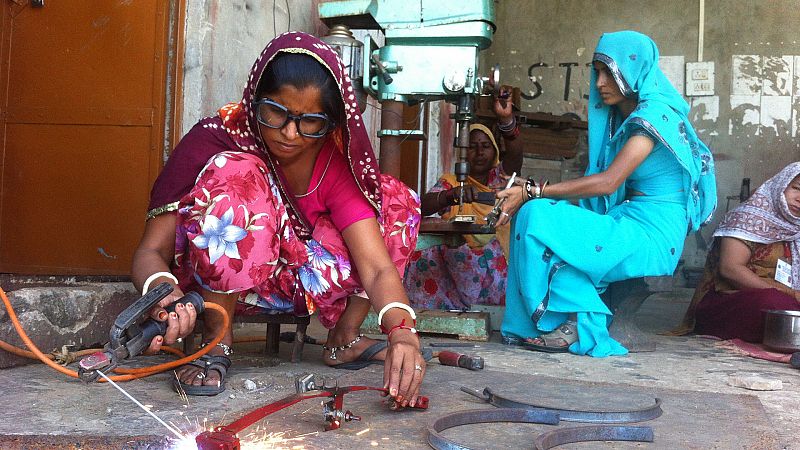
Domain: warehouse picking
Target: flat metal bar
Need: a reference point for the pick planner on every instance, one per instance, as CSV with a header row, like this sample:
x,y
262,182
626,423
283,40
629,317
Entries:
x,y
515,415
571,415
599,433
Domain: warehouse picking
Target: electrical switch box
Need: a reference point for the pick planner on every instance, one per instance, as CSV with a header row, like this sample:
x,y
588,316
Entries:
x,y
699,78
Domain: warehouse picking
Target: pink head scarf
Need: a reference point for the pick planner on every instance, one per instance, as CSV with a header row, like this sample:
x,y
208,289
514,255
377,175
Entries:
x,y
241,125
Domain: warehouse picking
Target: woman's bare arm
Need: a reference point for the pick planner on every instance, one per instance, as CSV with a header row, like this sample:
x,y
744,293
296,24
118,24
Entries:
x,y
734,255
383,285
635,150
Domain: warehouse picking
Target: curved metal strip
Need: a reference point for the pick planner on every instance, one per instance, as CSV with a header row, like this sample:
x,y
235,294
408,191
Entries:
x,y
439,442
571,415
569,435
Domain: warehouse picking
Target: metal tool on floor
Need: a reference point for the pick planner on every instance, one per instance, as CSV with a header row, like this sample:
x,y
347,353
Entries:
x,y
592,433
439,442
449,358
131,334
333,412
544,441
571,415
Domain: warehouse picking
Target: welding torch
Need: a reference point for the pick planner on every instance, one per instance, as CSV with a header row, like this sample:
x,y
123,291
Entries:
x,y
128,337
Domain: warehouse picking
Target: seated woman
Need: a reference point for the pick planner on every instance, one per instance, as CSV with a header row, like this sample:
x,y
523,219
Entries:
x,y
443,277
277,202
649,181
753,265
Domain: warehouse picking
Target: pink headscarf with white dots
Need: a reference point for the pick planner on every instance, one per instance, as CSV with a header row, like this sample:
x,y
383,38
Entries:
x,y
233,129
241,125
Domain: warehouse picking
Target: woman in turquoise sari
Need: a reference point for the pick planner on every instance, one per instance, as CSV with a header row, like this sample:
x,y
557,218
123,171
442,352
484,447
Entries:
x,y
649,182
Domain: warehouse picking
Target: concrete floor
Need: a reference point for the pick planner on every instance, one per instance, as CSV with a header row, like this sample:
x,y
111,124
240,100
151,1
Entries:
x,y
43,409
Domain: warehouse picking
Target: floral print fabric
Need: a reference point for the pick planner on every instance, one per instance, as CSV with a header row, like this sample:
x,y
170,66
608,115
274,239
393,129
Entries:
x,y
234,235
442,277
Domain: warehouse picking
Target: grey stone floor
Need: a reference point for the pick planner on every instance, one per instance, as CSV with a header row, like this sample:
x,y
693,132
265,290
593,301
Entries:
x,y
38,401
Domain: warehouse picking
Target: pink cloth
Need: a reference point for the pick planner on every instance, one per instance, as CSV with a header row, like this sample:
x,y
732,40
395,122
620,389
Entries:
x,y
755,350
337,193
234,235
239,230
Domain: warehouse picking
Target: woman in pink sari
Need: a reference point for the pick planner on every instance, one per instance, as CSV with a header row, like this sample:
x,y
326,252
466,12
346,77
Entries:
x,y
276,203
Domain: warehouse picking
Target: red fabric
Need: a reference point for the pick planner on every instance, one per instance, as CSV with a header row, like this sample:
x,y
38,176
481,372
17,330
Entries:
x,y
337,194
203,141
739,315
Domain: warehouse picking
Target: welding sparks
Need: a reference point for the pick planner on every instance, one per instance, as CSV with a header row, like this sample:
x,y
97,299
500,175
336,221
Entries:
x,y
272,440
259,439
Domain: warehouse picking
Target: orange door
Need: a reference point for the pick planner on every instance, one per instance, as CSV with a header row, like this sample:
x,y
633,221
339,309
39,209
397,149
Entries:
x,y
82,89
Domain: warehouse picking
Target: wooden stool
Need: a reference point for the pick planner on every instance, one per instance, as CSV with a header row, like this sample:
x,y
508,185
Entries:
x,y
274,322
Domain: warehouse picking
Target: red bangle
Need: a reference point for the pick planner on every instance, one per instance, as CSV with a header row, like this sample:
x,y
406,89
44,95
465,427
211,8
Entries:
x,y
513,134
402,325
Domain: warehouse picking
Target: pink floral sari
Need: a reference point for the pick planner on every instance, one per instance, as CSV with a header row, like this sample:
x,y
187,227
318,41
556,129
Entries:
x,y
239,231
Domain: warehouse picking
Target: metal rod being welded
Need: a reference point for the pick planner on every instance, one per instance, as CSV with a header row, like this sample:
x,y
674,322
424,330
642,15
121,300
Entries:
x,y
173,430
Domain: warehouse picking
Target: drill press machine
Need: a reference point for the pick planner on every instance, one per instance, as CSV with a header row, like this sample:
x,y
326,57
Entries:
x,y
431,52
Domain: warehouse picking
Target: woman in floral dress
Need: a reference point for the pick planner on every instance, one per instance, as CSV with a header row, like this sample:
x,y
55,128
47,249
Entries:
x,y
276,204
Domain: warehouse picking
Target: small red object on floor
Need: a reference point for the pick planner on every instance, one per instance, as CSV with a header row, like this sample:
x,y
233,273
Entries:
x,y
217,440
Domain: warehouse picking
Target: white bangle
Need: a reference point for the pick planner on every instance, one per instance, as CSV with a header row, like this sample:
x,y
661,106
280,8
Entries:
x,y
151,278
399,305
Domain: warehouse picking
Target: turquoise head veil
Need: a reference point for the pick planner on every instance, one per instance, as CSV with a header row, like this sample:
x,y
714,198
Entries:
x,y
632,59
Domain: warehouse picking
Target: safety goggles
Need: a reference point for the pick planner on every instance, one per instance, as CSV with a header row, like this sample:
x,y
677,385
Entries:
x,y
274,115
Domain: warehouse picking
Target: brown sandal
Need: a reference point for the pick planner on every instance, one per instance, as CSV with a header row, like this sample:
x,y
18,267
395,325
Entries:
x,y
567,333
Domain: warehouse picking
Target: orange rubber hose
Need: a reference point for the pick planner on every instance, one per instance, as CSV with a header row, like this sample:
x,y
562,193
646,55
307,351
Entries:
x,y
130,374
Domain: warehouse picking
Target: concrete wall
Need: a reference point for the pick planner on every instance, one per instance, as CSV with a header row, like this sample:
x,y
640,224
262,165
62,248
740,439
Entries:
x,y
751,123
223,38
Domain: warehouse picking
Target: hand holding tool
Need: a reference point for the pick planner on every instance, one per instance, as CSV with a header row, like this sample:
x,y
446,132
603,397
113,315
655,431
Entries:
x,y
448,358
494,214
128,338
